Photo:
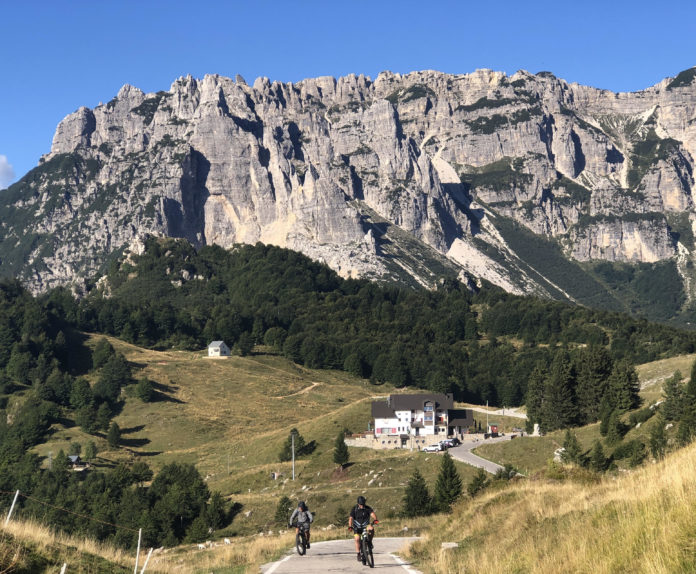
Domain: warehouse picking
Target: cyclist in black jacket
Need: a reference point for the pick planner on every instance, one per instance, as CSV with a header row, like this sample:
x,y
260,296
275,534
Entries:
x,y
359,520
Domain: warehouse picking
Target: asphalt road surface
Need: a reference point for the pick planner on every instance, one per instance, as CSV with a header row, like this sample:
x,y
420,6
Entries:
x,y
463,453
340,556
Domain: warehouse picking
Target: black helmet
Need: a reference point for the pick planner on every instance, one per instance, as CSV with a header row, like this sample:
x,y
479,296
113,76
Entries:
x,y
361,500
302,505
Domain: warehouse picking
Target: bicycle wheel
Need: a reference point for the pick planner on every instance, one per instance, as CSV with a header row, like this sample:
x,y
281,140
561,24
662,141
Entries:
x,y
300,543
364,550
370,558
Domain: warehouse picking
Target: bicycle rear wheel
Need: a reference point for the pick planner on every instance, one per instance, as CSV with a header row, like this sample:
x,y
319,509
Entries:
x,y
300,543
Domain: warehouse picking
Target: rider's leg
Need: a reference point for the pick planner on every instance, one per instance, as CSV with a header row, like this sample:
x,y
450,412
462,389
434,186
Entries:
x,y
357,544
307,536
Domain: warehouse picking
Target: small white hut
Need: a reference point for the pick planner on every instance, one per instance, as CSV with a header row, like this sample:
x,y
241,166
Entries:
x,y
218,349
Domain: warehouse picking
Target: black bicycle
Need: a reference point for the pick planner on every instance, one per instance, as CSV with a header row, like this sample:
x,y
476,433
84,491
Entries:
x,y
301,541
366,556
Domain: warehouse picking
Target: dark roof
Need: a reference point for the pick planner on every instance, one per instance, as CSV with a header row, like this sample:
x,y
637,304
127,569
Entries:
x,y
416,402
74,458
461,418
381,410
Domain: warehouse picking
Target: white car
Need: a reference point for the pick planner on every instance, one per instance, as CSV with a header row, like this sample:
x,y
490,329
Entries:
x,y
432,448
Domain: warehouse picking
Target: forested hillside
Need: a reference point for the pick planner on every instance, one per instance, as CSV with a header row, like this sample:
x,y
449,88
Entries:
x,y
482,346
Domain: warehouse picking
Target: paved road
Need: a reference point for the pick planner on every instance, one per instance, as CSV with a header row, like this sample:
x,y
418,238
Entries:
x,y
463,453
339,556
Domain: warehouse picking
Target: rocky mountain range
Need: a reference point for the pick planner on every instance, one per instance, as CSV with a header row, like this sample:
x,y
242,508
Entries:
x,y
526,181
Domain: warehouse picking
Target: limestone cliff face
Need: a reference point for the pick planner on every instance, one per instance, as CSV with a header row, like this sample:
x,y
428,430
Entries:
x,y
405,175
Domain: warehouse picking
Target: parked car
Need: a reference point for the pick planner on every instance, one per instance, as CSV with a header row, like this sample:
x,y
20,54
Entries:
x,y
450,442
433,448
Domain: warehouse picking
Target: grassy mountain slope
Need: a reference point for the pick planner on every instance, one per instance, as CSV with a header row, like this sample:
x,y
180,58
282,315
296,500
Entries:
x,y
640,522
231,417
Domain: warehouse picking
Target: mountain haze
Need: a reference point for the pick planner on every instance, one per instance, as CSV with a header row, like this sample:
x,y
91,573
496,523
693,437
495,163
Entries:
x,y
527,181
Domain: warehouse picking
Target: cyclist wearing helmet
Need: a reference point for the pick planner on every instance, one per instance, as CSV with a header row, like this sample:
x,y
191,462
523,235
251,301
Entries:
x,y
304,519
359,520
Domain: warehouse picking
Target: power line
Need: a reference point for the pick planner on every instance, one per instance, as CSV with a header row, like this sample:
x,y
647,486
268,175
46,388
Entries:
x,y
28,497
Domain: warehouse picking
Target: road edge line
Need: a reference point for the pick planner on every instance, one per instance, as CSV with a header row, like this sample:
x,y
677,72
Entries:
x,y
405,565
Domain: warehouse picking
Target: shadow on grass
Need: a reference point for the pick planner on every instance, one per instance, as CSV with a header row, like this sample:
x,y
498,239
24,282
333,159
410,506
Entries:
x,y
130,430
148,453
158,397
133,442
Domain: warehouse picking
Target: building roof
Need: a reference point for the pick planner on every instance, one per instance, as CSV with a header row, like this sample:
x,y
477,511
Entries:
x,y
416,402
386,409
381,410
216,344
461,418
74,458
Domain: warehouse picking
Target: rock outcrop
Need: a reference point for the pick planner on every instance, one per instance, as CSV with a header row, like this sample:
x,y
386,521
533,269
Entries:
x,y
404,177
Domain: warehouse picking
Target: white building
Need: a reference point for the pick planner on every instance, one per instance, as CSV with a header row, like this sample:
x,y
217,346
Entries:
x,y
218,349
420,415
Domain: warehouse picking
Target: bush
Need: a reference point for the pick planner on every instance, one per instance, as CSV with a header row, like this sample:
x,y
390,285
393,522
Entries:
x,y
144,390
283,511
641,416
478,483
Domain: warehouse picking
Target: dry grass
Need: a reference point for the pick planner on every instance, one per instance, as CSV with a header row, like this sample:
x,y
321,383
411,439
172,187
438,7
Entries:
x,y
24,540
640,522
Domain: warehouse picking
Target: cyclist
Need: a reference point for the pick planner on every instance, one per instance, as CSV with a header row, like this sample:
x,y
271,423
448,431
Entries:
x,y
359,520
304,519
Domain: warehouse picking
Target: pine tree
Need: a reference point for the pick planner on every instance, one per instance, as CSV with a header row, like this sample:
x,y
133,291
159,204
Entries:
x,y
535,395
198,531
217,511
286,452
559,410
572,452
594,366
637,453
604,415
687,427
417,499
615,429
673,393
598,461
113,437
623,387
90,450
144,390
341,456
478,483
448,487
103,351
103,417
282,513
658,441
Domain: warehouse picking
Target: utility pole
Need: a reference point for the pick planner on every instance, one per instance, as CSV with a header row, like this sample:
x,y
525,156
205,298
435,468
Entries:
x,y
292,436
486,416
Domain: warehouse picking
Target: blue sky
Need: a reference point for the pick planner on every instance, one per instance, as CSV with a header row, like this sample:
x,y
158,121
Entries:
x,y
59,56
